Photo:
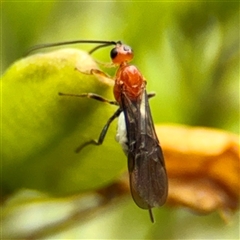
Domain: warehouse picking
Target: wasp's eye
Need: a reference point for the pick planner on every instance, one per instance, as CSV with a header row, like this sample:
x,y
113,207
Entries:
x,y
113,53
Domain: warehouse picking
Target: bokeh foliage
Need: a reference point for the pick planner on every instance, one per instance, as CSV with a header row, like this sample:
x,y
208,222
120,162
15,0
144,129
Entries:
x,y
188,52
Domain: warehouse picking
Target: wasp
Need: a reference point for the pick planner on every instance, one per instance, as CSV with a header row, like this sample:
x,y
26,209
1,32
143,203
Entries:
x,y
136,132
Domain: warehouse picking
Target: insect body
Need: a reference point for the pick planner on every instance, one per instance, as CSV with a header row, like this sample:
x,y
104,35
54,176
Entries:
x,y
136,132
148,178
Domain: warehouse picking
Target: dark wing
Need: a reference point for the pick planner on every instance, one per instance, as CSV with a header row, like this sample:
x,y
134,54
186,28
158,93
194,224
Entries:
x,y
148,177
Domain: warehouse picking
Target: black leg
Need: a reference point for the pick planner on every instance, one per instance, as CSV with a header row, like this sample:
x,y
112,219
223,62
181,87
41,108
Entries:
x,y
90,95
151,94
102,134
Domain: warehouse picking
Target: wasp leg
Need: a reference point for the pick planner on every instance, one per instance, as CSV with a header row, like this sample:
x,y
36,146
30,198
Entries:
x,y
95,72
106,65
102,134
151,94
98,74
90,95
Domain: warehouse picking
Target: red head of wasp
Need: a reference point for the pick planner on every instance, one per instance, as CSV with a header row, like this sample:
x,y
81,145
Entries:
x,y
136,132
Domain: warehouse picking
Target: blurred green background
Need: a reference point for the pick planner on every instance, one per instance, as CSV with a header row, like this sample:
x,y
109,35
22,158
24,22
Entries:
x,y
189,54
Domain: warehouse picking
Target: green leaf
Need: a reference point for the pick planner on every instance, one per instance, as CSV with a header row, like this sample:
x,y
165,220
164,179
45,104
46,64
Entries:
x,y
41,130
